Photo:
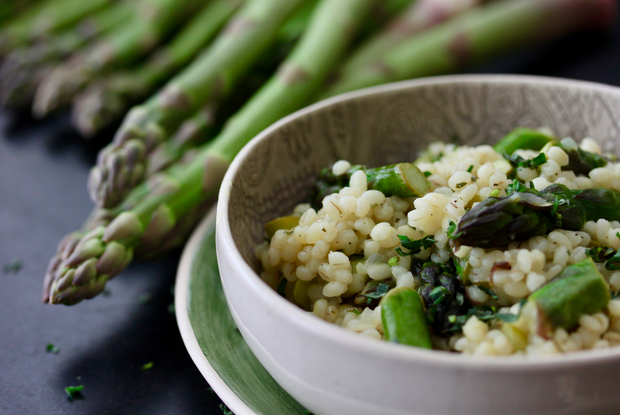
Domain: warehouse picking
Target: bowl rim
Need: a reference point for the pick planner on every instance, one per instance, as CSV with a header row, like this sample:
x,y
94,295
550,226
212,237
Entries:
x,y
336,334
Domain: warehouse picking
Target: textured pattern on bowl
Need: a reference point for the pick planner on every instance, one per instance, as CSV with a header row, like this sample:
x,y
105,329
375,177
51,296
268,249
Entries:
x,y
380,126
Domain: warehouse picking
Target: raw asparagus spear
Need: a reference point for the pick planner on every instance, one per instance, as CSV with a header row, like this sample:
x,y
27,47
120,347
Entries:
x,y
157,18
11,9
208,79
402,180
404,319
497,221
477,35
580,289
207,121
44,18
104,252
105,102
25,67
417,17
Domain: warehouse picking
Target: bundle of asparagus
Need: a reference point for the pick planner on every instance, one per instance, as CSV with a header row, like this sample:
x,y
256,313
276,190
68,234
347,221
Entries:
x,y
144,208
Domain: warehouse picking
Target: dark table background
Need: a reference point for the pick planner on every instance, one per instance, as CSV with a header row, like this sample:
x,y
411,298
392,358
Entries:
x,y
104,342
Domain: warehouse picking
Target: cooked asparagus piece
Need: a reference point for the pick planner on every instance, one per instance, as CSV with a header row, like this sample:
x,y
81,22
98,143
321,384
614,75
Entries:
x,y
522,139
402,180
106,101
497,221
184,188
580,289
283,222
404,318
23,69
44,18
122,164
477,35
419,16
580,161
157,19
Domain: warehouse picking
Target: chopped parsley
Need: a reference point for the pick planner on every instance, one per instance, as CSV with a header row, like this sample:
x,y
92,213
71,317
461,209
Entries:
x,y
50,348
282,287
469,170
145,298
225,410
13,266
74,392
414,246
147,366
488,292
393,261
382,289
355,311
461,185
427,173
518,161
494,193
451,229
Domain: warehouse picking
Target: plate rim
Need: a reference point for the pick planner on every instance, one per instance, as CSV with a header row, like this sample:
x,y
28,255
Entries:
x,y
181,305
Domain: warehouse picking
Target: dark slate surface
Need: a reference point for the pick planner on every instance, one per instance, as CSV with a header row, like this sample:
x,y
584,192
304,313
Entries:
x,y
104,342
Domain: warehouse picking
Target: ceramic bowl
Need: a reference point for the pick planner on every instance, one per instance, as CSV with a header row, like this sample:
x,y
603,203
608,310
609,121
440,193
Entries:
x,y
333,371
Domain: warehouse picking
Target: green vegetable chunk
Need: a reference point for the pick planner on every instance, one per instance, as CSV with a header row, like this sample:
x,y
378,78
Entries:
x,y
580,289
402,180
404,319
522,139
283,222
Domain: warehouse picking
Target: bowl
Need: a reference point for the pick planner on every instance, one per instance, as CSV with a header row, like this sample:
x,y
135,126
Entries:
x,y
333,371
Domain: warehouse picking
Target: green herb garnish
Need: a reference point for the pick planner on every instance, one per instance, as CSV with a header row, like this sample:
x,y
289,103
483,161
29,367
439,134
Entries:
x,y
414,247
225,410
145,298
50,348
494,193
427,173
282,287
451,229
469,170
13,266
461,185
74,392
488,292
393,261
381,290
147,366
518,161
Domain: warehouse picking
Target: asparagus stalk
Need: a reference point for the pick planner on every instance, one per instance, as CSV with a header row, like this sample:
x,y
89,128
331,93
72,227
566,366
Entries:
x,y
419,16
157,18
497,221
104,252
580,161
208,79
580,289
402,180
522,139
478,35
23,69
44,18
206,122
105,102
404,319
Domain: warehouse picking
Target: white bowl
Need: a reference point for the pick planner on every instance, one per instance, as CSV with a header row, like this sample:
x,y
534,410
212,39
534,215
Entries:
x,y
334,371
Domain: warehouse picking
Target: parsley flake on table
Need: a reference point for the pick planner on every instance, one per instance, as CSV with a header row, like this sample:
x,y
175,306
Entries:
x,y
74,392
50,348
13,266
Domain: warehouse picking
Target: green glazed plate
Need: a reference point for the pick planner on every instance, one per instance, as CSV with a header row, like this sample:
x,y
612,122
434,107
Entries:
x,y
212,339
